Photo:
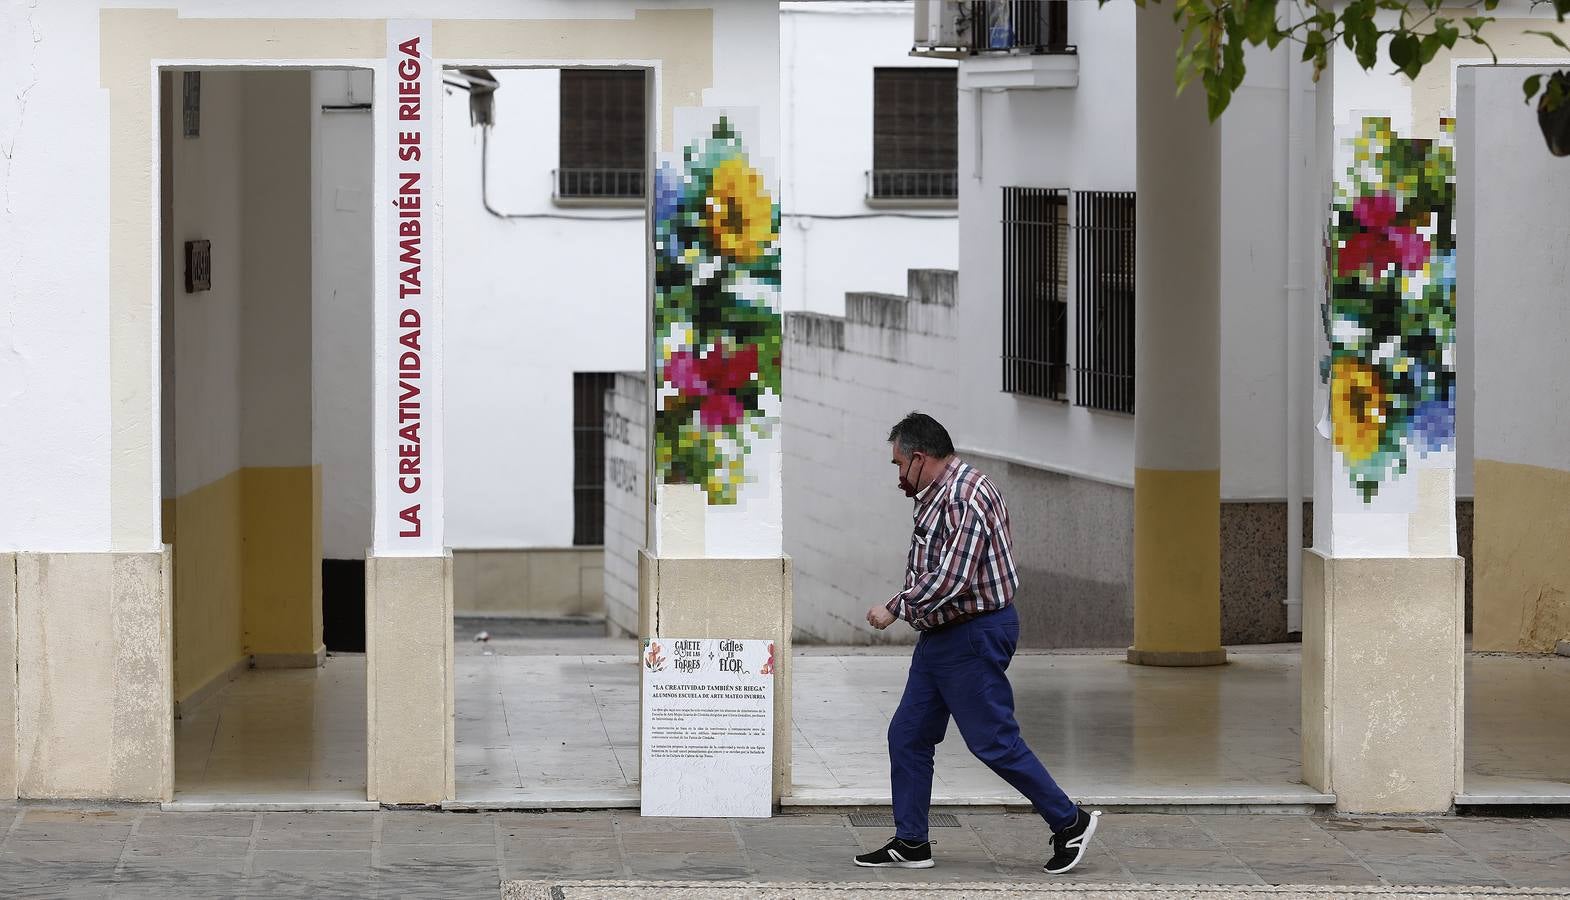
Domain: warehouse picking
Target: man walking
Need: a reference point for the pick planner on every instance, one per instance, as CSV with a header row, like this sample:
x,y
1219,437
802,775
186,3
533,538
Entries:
x,y
959,588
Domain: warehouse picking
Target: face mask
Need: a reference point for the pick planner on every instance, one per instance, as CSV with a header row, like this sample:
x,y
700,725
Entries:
x,y
909,487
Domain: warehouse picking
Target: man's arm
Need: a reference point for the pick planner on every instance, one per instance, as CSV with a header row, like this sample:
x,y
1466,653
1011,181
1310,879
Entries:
x,y
956,567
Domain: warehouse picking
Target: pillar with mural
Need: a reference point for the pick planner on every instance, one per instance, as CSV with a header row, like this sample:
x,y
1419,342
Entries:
x,y
1382,589
714,566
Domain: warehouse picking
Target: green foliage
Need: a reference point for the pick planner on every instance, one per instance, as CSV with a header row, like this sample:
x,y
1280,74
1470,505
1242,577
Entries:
x,y
1412,32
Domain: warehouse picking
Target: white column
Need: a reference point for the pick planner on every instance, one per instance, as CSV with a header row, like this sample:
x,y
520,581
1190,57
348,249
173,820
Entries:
x,y
408,578
716,565
1177,433
1382,630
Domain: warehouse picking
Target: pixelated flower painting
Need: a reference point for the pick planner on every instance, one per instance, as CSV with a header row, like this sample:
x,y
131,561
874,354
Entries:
x,y
1390,314
717,324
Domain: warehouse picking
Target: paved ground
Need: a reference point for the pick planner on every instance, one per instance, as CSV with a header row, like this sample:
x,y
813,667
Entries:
x,y
135,852
552,719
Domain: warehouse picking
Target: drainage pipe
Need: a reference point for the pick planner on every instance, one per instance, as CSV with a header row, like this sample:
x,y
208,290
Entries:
x,y
1297,369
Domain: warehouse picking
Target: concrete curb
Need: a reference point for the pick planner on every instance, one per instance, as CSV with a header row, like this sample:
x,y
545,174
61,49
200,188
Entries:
x,y
709,890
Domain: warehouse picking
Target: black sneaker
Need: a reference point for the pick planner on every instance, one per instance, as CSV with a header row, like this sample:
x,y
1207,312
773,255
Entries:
x,y
1070,844
898,854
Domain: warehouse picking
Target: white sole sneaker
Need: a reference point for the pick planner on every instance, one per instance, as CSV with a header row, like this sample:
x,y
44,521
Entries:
x,y
899,864
1079,845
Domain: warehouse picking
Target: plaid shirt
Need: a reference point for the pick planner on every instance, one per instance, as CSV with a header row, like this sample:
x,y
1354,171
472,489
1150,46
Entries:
x,y
961,561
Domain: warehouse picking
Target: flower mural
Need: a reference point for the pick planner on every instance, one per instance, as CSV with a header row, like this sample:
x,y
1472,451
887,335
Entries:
x,y
717,324
1390,314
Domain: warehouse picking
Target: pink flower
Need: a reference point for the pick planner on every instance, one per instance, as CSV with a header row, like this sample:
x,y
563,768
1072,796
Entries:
x,y
682,373
1380,245
1414,249
720,411
1374,210
714,379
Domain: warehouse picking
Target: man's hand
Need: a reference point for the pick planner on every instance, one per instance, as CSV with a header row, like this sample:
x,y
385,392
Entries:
x,y
879,617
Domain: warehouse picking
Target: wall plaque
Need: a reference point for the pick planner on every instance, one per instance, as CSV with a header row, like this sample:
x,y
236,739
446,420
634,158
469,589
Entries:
x,y
708,727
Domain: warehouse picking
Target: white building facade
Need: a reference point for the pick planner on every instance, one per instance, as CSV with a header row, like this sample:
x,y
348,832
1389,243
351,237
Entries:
x,y
545,286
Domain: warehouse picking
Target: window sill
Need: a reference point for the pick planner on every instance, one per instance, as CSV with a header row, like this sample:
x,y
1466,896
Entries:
x,y
951,203
1017,71
1037,398
598,202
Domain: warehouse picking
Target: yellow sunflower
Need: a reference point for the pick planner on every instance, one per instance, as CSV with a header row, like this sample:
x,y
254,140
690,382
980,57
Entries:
x,y
738,211
1359,408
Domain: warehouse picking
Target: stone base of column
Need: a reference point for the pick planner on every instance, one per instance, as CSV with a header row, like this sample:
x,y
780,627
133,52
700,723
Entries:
x,y
409,679
1383,673
93,669
695,597
1176,658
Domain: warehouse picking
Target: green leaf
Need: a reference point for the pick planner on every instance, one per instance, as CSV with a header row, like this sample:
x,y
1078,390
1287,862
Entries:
x,y
1259,21
1403,51
1476,23
1367,44
1558,41
1532,86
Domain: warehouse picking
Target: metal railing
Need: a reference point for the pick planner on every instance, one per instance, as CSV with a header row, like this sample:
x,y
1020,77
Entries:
x,y
599,183
1035,292
1039,26
913,184
1104,265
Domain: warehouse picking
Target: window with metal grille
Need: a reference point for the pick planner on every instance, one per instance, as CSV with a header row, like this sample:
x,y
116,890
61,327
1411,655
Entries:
x,y
588,456
915,134
1104,312
602,134
1035,292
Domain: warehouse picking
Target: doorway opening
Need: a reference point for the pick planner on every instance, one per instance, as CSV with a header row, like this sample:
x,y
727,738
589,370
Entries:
x,y
266,320
546,300
1512,320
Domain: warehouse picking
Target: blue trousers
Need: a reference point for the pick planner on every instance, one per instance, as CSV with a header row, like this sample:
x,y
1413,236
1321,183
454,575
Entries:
x,y
961,671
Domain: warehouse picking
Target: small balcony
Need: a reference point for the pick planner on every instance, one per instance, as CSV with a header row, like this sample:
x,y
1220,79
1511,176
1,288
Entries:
x,y
912,187
599,187
961,29
1009,44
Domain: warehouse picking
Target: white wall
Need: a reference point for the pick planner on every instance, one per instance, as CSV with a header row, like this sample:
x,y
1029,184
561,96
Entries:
x,y
626,506
342,313
208,204
531,300
828,52
275,329
54,346
1514,274
55,223
1082,138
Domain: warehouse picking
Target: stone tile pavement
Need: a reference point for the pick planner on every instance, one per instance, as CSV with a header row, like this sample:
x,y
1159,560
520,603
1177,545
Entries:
x,y
136,852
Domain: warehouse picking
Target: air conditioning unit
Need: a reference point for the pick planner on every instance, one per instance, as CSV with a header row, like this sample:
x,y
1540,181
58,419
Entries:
x,y
949,28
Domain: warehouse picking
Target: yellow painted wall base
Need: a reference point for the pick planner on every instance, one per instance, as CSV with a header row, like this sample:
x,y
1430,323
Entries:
x,y
1177,567
203,527
283,559
248,572
1521,555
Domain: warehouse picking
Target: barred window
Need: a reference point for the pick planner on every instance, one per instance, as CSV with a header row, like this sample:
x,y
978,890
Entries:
x,y
1104,347
588,456
1035,292
915,134
602,142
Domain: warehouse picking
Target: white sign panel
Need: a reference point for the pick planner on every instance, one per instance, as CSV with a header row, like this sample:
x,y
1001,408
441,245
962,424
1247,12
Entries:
x,y
708,727
411,516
